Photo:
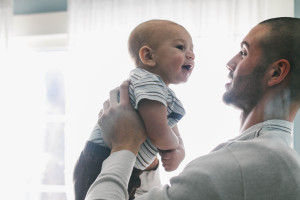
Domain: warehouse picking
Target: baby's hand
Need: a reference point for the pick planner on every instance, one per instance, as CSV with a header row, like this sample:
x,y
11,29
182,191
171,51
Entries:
x,y
171,158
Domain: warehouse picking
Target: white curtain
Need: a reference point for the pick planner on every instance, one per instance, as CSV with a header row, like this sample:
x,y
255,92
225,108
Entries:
x,y
5,19
20,113
98,34
6,14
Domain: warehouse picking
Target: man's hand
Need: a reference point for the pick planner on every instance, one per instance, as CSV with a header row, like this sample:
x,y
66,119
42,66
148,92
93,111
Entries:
x,y
122,126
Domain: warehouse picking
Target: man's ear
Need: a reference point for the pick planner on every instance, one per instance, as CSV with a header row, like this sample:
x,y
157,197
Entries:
x,y
278,72
146,56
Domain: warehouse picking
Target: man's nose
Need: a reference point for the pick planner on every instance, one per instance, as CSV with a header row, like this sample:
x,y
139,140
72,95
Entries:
x,y
232,63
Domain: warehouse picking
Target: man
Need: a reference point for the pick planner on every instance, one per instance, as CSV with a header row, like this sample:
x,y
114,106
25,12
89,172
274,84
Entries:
x,y
257,165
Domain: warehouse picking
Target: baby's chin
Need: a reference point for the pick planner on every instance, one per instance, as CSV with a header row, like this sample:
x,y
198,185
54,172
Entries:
x,y
180,81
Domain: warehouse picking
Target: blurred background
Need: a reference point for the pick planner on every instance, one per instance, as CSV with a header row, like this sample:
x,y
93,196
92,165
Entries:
x,y
60,59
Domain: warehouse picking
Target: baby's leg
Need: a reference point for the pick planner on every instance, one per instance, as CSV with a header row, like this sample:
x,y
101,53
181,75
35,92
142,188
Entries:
x,y
88,168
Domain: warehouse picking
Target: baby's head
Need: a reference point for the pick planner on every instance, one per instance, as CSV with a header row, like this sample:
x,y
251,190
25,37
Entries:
x,y
163,47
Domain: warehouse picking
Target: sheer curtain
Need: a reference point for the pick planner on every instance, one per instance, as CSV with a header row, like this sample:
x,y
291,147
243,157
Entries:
x,y
5,30
20,105
6,14
98,47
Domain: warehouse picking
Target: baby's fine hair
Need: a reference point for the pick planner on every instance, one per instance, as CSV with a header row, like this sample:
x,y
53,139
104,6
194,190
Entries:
x,y
145,34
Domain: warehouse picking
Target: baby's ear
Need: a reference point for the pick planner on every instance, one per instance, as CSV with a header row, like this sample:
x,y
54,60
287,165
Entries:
x,y
146,56
278,72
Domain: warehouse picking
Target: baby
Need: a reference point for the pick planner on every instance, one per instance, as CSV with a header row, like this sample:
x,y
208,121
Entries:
x,y
163,54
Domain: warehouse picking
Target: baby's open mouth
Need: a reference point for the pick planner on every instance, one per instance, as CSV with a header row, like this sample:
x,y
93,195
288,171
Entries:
x,y
187,67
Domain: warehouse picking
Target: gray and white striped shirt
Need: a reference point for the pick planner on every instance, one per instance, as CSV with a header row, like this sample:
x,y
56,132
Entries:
x,y
146,85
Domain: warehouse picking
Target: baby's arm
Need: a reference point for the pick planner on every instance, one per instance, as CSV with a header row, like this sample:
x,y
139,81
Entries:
x,y
172,158
154,115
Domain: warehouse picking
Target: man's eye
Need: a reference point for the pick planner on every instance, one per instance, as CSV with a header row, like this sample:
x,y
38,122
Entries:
x,y
243,54
181,47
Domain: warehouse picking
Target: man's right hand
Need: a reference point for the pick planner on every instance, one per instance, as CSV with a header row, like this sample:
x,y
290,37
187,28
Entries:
x,y
122,126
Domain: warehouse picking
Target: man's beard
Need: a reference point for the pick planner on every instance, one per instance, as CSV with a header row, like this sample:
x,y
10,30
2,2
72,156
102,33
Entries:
x,y
246,91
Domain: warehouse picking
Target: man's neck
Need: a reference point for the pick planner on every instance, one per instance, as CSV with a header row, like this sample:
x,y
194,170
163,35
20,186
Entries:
x,y
269,108
249,119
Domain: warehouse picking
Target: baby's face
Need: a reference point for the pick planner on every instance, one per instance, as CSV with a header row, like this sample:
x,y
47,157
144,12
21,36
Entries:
x,y
174,54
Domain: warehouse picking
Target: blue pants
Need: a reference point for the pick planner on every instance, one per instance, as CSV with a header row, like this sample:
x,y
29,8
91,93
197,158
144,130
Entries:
x,y
88,167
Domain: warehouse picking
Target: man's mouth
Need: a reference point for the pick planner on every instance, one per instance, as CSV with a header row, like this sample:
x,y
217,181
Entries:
x,y
229,83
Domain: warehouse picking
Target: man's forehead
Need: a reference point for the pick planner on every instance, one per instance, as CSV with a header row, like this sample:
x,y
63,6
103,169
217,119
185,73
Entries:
x,y
255,36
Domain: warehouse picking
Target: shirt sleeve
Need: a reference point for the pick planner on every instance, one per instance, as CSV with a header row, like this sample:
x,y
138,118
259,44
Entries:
x,y
210,177
204,178
149,87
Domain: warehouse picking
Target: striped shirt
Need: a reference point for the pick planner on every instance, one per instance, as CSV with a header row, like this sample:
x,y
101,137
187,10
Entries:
x,y
146,85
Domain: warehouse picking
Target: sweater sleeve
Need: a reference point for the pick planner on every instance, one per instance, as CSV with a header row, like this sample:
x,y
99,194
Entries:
x,y
214,176
210,177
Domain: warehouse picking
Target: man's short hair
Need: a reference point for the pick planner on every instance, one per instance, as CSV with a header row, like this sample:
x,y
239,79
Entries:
x,y
283,42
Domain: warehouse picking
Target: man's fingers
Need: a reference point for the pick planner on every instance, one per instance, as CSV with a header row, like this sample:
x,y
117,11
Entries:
x,y
114,96
119,94
124,96
106,105
100,113
105,109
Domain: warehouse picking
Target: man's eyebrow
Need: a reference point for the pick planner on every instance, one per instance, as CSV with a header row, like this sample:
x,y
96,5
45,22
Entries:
x,y
246,44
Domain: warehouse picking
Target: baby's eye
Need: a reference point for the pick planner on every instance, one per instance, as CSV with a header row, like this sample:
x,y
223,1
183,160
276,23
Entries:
x,y
181,47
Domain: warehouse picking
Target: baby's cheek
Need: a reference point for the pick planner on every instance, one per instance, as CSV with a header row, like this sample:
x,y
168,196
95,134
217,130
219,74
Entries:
x,y
178,61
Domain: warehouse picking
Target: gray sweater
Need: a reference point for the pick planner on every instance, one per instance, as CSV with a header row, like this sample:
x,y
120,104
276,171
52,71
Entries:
x,y
257,165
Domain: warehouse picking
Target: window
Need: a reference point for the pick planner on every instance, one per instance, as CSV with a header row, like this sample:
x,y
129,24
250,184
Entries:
x,y
43,141
35,108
